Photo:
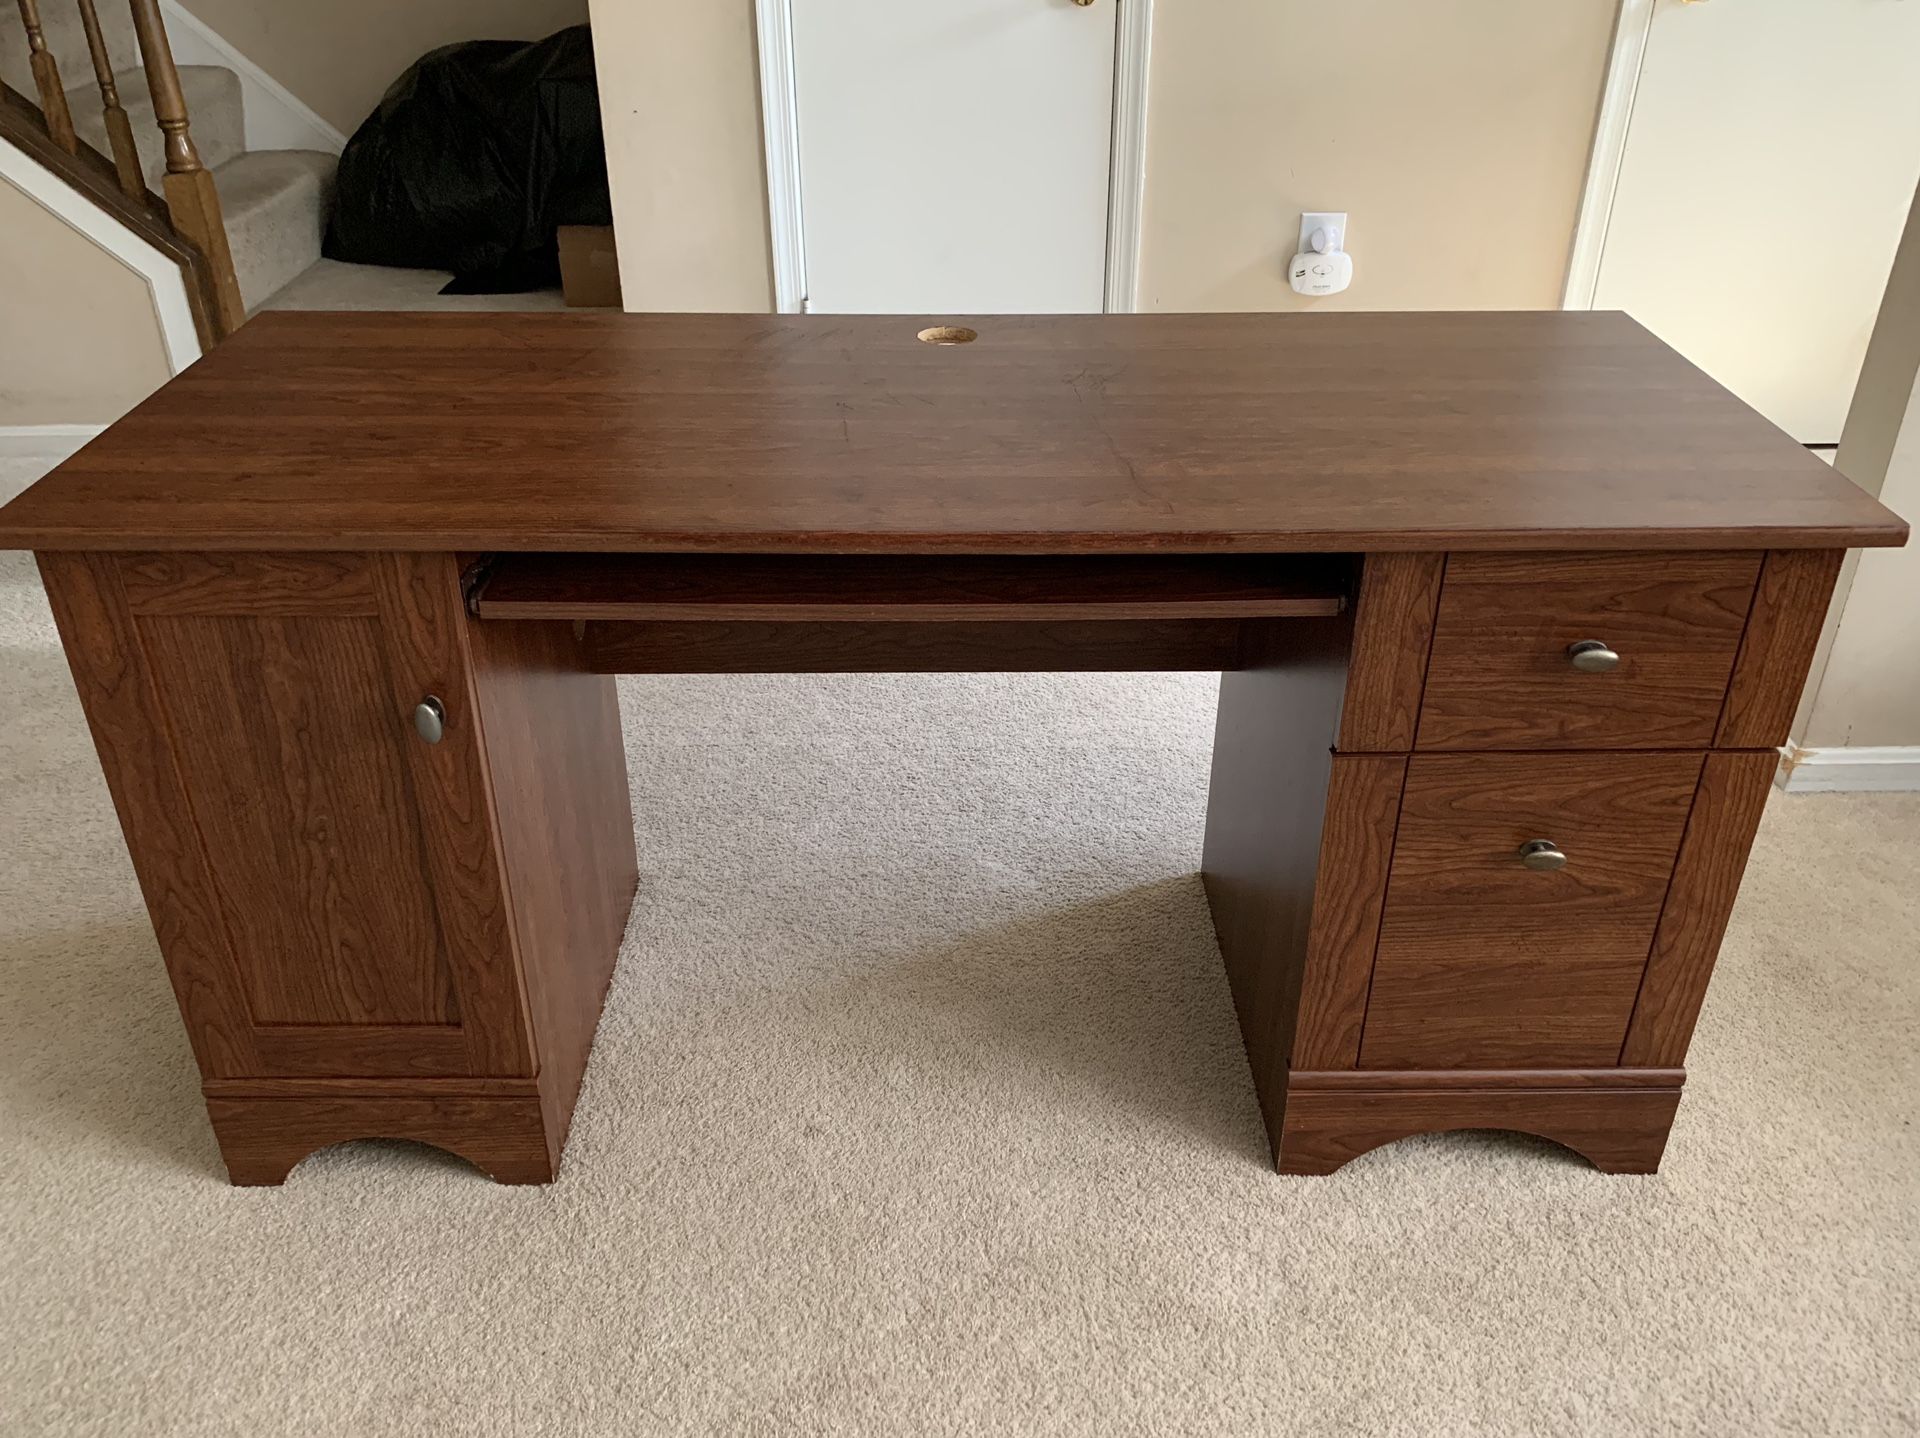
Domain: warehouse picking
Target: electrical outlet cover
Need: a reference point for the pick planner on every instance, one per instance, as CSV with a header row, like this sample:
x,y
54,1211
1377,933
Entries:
x,y
1312,220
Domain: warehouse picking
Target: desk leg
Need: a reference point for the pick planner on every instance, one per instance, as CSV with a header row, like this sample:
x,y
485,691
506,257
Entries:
x,y
372,931
558,768
1266,813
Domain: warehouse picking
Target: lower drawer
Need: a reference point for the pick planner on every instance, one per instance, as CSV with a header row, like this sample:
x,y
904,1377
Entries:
x,y
1484,962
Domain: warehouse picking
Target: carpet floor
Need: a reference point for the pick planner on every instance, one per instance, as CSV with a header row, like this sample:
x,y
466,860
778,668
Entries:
x,y
918,1108
331,285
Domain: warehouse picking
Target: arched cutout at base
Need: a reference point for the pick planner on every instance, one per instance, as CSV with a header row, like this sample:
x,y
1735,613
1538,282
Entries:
x,y
449,1157
1616,1130
506,1138
1571,1152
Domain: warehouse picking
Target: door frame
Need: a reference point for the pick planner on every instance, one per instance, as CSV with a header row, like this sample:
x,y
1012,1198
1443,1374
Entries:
x,y
1631,27
1126,166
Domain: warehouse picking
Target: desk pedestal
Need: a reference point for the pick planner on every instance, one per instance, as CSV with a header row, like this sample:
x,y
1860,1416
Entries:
x,y
372,931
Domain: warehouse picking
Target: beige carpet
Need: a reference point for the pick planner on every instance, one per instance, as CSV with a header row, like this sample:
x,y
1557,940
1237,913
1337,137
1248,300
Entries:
x,y
331,285
918,1108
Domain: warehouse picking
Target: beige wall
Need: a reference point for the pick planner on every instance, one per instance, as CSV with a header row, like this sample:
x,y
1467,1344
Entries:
x,y
79,339
1431,124
1866,685
339,56
1455,135
680,103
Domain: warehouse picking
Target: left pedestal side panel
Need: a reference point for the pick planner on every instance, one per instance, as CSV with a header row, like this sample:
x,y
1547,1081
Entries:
x,y
330,886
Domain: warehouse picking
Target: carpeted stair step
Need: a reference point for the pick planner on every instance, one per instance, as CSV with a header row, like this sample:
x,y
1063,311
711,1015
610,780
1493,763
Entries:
x,y
215,113
276,204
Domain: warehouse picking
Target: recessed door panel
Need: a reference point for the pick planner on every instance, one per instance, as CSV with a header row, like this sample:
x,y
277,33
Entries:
x,y
322,869
286,739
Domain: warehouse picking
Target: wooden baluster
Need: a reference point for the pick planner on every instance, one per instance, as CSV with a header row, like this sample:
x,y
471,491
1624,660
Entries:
x,y
126,155
192,201
46,79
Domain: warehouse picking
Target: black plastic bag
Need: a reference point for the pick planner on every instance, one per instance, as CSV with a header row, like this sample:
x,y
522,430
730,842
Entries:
x,y
473,159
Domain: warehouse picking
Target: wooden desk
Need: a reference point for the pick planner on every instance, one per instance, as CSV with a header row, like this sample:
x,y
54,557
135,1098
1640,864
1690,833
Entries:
x,y
343,601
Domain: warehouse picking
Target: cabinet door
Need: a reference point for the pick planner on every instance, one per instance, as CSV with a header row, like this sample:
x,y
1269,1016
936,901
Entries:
x,y
324,881
1486,963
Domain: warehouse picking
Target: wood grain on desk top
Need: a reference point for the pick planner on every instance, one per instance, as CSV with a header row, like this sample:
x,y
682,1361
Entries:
x,y
1119,433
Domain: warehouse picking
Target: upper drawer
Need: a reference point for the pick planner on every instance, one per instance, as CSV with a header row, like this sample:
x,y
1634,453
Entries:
x,y
1500,675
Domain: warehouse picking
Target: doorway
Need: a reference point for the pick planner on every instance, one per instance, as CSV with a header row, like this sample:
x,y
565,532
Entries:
x,y
976,157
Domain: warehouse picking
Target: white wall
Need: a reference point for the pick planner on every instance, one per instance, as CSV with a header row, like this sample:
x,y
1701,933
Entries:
x,y
80,336
1859,722
1455,135
1870,692
339,56
680,104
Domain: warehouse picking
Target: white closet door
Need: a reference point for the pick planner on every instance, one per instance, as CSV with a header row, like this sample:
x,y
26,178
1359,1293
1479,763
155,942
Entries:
x,y
1770,162
954,154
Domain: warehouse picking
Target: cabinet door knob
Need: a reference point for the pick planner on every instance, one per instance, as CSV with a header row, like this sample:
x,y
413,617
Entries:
x,y
1542,855
1592,656
430,719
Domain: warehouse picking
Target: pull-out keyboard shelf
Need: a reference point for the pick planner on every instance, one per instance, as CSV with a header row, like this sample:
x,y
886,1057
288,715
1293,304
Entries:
x,y
694,613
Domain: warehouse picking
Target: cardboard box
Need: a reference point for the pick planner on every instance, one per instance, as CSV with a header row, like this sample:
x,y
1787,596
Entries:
x,y
589,268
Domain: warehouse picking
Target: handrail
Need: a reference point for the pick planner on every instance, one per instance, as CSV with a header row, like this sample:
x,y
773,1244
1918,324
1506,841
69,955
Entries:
x,y
190,210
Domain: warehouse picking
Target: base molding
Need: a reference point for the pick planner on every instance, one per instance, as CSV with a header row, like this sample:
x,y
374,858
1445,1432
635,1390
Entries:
x,y
1884,769
1452,1080
263,1136
1616,1119
50,441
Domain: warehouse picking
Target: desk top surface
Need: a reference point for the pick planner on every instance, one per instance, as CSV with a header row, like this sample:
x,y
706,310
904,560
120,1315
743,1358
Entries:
x,y
845,434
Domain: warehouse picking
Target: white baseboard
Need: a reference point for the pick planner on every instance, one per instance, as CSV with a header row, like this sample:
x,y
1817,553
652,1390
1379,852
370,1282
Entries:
x,y
277,119
50,441
1891,769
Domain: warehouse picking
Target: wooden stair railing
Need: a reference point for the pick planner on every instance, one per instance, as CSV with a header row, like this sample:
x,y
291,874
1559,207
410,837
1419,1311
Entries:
x,y
46,79
191,198
188,217
126,154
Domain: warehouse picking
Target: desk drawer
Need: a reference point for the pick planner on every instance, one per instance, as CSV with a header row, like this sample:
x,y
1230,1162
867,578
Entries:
x,y
1501,677
1483,962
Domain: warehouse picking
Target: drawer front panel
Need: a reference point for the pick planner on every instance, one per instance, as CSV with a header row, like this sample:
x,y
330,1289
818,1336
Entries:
x,y
1485,963
1500,676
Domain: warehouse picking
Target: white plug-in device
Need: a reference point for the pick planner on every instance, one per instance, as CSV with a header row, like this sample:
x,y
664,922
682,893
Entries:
x,y
1323,266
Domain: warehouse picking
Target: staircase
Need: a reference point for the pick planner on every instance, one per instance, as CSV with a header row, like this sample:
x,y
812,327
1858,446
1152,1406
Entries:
x,y
120,118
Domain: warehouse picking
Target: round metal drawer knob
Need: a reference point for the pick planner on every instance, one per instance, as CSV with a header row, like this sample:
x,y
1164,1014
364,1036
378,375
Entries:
x,y
1543,856
430,719
1592,656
